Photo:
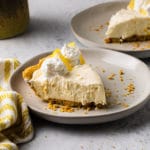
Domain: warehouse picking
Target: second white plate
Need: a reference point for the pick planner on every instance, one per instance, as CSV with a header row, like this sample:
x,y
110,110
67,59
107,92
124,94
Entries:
x,y
90,25
106,63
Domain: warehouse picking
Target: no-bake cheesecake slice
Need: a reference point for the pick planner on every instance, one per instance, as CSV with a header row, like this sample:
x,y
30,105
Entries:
x,y
132,24
64,78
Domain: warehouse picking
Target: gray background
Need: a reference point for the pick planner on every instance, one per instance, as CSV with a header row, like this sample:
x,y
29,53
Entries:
x,y
50,28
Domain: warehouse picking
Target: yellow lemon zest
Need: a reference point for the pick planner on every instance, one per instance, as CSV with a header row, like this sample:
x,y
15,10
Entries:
x,y
55,53
27,73
143,11
131,4
64,60
82,61
71,44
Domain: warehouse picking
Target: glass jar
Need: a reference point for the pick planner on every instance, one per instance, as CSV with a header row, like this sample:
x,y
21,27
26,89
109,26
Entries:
x,y
14,17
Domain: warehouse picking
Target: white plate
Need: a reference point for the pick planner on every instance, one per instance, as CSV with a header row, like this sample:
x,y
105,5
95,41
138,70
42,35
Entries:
x,y
135,71
85,24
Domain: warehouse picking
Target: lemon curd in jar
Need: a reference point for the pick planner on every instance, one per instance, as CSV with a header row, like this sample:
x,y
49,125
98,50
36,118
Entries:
x,y
14,17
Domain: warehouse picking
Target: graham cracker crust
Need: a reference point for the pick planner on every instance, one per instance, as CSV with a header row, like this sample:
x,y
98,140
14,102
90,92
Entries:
x,y
134,38
75,104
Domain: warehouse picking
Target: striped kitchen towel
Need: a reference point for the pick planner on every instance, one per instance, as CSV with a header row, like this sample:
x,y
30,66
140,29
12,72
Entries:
x,y
15,122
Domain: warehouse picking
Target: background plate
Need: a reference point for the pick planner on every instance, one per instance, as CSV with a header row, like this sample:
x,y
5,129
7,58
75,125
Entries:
x,y
106,63
90,25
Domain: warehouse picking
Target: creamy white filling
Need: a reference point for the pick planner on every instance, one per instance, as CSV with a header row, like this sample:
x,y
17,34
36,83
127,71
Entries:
x,y
126,23
82,84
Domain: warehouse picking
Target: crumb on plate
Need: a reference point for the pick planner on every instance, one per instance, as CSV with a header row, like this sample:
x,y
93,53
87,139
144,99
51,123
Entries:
x,y
111,76
66,109
129,89
121,74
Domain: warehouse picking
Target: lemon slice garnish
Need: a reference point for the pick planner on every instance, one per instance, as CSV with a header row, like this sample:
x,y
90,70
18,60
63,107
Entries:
x,y
131,4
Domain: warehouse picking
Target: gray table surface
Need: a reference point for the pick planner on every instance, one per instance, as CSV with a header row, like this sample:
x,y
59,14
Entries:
x,y
50,28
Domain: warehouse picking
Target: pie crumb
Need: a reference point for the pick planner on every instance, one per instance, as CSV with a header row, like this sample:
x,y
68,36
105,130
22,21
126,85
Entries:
x,y
111,76
136,45
52,106
130,89
121,73
103,70
55,107
66,109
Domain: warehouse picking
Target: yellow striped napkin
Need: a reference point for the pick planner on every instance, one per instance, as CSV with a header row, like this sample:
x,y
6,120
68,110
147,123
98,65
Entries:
x,y
15,122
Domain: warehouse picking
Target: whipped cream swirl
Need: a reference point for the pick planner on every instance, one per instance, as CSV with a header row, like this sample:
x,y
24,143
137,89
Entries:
x,y
72,53
53,66
61,61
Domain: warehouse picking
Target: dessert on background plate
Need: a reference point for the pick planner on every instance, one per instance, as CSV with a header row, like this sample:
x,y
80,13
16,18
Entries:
x,y
131,24
64,78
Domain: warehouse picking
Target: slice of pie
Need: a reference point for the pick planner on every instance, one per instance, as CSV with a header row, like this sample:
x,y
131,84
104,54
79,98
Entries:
x,y
64,78
132,24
